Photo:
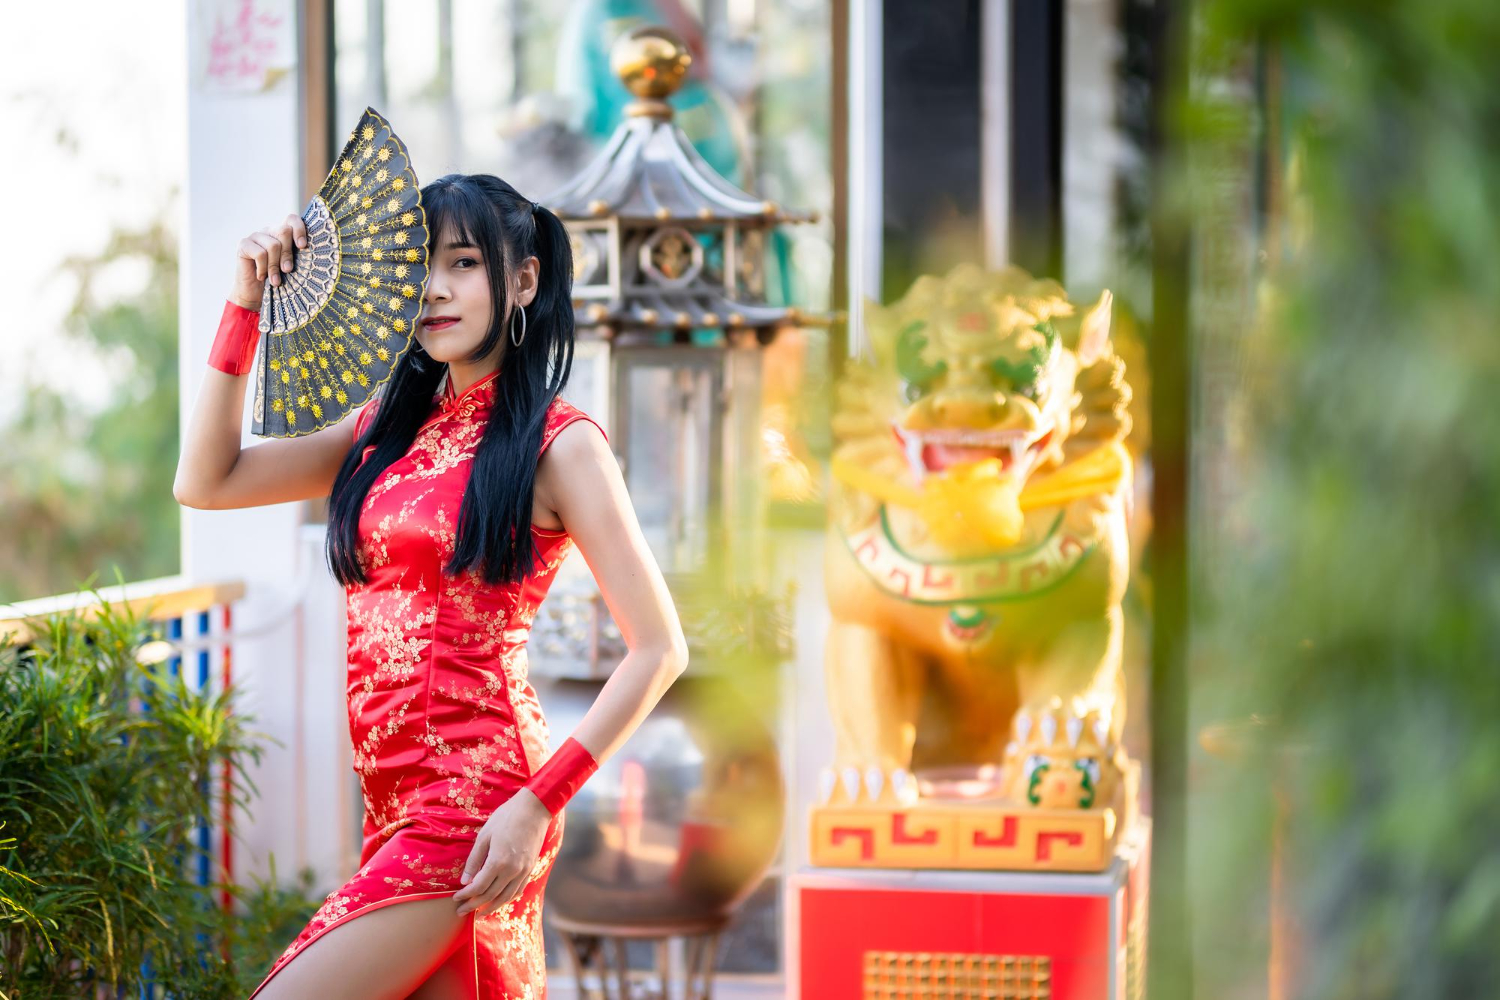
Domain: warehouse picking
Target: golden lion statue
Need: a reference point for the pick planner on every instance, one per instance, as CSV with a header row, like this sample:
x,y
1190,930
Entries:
x,y
978,555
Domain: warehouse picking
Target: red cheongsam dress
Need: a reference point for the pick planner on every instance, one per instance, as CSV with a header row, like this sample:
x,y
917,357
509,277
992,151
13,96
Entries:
x,y
444,723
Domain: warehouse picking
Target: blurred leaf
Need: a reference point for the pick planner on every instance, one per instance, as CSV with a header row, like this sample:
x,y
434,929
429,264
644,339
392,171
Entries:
x,y
1355,595
90,477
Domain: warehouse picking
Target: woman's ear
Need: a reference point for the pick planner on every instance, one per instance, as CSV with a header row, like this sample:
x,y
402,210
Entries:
x,y
528,276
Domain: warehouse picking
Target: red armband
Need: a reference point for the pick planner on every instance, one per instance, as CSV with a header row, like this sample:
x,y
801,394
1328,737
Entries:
x,y
558,780
234,343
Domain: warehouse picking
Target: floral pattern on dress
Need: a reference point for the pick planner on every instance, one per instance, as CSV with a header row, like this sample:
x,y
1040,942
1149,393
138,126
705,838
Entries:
x,y
444,723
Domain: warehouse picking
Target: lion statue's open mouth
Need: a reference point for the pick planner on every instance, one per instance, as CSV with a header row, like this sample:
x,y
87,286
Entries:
x,y
940,449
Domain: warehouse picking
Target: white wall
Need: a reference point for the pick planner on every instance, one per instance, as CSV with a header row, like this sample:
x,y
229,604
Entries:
x,y
243,173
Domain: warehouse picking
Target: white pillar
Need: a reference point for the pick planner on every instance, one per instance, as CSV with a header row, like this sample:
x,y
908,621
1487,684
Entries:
x,y
866,164
1093,148
994,138
243,172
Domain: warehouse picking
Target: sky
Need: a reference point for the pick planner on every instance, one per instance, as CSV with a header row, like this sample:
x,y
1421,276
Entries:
x,y
116,95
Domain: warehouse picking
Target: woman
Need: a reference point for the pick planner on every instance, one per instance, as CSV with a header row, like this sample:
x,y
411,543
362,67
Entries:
x,y
453,497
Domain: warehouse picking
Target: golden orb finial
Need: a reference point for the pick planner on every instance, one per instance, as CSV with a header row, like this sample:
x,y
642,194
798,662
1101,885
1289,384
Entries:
x,y
652,62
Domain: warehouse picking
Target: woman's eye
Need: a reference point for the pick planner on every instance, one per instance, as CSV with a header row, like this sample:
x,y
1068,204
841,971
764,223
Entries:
x,y
463,260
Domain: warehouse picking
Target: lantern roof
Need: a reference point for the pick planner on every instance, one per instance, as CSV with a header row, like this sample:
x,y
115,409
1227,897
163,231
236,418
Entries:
x,y
661,240
650,171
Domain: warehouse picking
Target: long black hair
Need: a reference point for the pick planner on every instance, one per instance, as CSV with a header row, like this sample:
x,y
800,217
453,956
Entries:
x,y
494,525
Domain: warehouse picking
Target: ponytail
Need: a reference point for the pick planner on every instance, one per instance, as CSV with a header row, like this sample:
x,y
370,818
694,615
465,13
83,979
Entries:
x,y
553,304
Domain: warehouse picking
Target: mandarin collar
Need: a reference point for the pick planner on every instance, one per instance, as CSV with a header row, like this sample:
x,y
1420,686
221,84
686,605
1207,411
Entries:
x,y
481,393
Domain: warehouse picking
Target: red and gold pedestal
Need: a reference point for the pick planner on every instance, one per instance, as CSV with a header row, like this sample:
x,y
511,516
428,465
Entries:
x,y
894,934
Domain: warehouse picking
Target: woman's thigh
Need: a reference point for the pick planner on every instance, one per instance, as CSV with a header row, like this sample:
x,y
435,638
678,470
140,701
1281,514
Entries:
x,y
453,980
381,955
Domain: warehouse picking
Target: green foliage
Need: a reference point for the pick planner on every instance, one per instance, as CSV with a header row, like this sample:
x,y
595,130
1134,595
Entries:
x,y
106,762
1360,615
89,471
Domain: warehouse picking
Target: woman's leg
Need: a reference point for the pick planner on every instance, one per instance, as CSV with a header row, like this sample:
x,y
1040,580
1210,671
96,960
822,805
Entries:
x,y
381,955
454,979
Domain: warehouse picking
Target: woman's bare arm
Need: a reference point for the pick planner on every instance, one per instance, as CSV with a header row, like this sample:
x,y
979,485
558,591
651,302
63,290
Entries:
x,y
580,480
214,472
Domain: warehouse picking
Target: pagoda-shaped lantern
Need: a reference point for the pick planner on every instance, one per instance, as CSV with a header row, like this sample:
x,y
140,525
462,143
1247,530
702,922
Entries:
x,y
669,298
669,293
663,245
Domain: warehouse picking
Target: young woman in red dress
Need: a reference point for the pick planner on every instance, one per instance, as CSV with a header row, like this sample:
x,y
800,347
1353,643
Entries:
x,y
453,497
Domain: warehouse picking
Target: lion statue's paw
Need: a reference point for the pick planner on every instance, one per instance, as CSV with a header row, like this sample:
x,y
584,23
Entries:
x,y
852,785
1063,757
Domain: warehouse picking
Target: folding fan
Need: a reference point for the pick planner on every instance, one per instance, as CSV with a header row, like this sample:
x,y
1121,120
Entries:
x,y
333,330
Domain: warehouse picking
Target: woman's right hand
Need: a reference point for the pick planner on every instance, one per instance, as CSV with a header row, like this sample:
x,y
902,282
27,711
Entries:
x,y
266,251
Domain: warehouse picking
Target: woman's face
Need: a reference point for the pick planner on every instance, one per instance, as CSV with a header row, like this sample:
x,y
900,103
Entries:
x,y
456,305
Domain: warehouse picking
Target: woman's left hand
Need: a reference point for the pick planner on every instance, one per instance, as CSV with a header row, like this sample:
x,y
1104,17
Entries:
x,y
504,853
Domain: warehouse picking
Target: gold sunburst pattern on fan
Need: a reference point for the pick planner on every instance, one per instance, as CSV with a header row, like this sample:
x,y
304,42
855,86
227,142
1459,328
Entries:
x,y
333,330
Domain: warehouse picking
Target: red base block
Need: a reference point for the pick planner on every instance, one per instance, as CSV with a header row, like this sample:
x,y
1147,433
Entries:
x,y
892,934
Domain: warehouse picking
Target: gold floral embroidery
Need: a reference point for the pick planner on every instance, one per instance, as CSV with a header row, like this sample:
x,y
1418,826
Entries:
x,y
462,592
437,449
374,554
430,876
391,637
392,643
388,812
398,885
365,759
336,907
443,534
465,764
478,695
421,867
535,735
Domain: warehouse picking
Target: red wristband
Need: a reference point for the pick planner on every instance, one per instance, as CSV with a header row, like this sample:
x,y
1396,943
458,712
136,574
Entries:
x,y
558,780
234,343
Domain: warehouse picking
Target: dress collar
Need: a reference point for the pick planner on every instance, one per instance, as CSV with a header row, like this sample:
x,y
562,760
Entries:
x,y
481,393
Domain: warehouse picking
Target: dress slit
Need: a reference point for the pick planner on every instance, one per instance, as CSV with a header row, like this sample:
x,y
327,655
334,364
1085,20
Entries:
x,y
367,908
489,937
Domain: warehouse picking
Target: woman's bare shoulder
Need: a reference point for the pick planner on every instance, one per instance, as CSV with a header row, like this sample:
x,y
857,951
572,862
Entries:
x,y
561,416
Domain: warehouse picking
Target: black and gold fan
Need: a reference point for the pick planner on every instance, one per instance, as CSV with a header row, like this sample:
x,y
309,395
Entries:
x,y
333,330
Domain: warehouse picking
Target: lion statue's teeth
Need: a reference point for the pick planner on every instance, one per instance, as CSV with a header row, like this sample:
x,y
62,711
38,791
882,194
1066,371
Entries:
x,y
913,447
1023,727
1017,452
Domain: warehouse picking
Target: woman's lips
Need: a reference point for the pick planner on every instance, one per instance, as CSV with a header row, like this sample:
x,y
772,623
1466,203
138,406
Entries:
x,y
441,324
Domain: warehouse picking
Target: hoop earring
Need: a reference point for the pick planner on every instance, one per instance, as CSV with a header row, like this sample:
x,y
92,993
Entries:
x,y
513,338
